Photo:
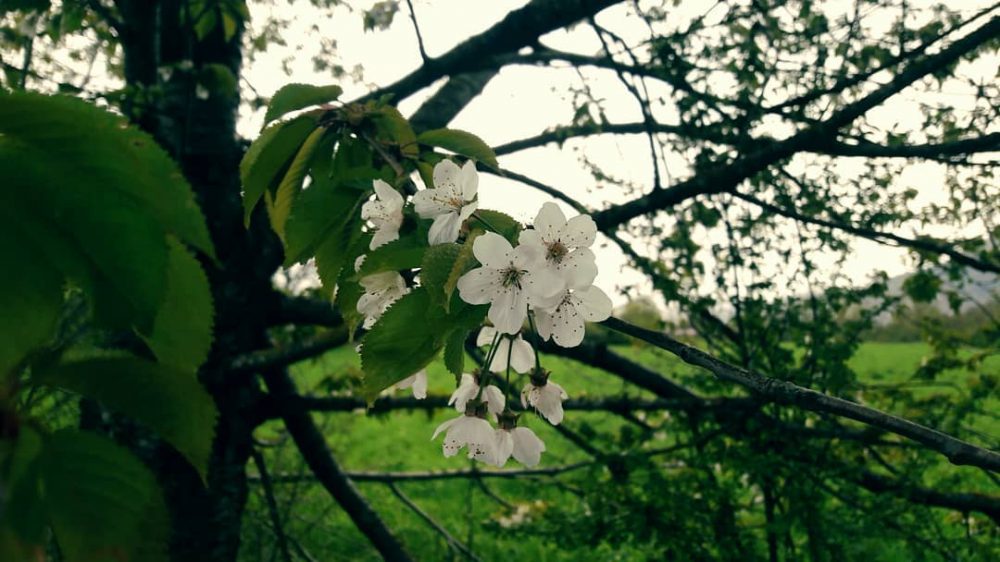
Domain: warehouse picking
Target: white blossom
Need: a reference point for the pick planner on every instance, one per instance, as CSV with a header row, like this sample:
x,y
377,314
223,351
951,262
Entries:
x,y
385,212
519,352
546,397
450,201
563,318
418,382
469,431
508,280
564,245
520,442
468,390
381,290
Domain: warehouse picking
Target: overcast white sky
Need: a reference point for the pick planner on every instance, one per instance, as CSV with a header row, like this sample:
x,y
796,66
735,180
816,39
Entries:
x,y
524,101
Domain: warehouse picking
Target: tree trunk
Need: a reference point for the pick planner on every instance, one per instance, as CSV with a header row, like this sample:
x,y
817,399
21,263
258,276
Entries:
x,y
200,134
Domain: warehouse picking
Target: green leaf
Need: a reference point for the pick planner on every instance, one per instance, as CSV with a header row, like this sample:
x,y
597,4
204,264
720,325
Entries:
x,y
30,297
98,496
263,165
320,214
99,154
501,223
398,255
291,185
348,288
454,352
393,127
335,256
436,268
460,142
298,96
182,333
404,340
170,402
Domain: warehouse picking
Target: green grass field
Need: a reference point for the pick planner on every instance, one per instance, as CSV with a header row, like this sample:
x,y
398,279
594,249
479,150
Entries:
x,y
401,442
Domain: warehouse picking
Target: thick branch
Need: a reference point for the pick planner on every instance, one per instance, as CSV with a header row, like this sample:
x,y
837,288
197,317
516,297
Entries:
x,y
959,501
727,177
312,445
447,102
305,311
282,357
520,28
985,143
783,392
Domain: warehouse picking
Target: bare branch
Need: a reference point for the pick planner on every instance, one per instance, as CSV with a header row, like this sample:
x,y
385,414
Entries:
x,y
272,504
282,357
453,543
312,444
886,238
783,392
727,177
416,29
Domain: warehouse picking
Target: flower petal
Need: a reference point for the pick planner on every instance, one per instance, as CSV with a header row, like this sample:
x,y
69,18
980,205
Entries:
x,y
541,284
486,336
522,357
549,221
467,390
420,385
527,447
494,398
579,232
447,178
470,180
508,309
543,323
479,285
505,446
578,269
429,203
592,304
567,325
385,192
444,229
444,426
549,403
492,250
383,236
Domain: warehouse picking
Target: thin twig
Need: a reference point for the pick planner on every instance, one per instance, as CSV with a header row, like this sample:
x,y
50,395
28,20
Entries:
x,y
453,543
416,29
272,504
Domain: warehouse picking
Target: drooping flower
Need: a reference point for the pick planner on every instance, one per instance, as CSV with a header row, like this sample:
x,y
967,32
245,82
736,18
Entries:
x,y
564,245
381,290
471,431
450,201
515,349
468,390
544,396
563,317
520,442
418,382
507,280
385,212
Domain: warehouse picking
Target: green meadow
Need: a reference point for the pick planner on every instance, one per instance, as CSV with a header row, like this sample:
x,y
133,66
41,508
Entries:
x,y
494,516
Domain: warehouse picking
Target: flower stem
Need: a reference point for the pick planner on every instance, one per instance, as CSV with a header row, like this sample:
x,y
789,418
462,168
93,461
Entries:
x,y
536,337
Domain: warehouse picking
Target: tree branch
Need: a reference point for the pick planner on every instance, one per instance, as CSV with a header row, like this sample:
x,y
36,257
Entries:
x,y
293,353
447,102
783,392
312,445
885,238
453,543
727,177
272,504
519,28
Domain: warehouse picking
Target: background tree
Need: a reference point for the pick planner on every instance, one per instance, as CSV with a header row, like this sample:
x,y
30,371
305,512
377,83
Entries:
x,y
749,111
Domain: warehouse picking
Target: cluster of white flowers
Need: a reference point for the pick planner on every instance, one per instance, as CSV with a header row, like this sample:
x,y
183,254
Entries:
x,y
546,281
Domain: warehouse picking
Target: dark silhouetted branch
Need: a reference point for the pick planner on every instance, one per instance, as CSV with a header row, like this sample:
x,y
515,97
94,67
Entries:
x,y
312,445
783,392
726,177
293,353
272,504
453,543
887,238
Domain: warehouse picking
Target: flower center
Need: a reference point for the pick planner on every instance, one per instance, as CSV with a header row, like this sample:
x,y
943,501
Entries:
x,y
511,277
556,252
456,202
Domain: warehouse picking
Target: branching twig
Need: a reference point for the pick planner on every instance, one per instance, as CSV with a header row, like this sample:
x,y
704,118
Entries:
x,y
453,543
957,451
272,504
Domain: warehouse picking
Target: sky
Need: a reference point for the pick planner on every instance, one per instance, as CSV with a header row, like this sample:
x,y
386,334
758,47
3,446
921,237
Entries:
x,y
524,101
